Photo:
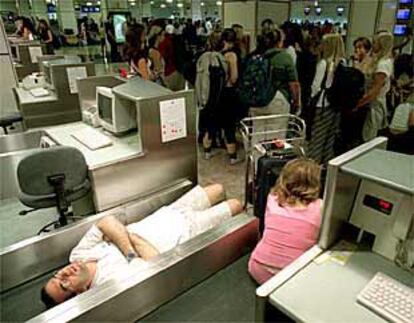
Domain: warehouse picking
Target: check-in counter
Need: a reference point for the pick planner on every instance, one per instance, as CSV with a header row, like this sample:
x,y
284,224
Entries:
x,y
25,56
61,104
108,191
367,228
139,160
87,88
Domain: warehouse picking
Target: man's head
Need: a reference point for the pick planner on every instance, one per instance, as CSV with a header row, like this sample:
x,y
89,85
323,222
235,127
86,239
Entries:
x,y
66,283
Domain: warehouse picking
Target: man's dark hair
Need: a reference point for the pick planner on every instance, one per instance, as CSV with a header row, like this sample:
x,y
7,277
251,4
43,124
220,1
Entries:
x,y
267,21
270,39
47,299
366,43
228,35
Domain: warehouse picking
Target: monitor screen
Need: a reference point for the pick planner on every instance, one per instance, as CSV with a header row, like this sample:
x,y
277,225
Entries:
x,y
14,51
340,10
318,10
406,1
105,108
307,10
46,71
400,30
403,14
119,26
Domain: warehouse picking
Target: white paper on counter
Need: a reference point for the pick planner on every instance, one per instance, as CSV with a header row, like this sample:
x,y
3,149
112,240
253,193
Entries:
x,y
35,52
75,73
173,120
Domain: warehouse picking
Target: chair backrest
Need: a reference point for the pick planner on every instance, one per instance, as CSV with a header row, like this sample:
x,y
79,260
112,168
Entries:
x,y
34,170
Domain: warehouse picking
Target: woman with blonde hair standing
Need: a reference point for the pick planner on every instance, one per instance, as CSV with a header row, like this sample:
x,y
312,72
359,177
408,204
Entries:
x,y
378,83
323,119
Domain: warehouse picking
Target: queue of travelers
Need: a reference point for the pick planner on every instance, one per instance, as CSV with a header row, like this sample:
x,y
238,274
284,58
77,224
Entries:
x,y
345,101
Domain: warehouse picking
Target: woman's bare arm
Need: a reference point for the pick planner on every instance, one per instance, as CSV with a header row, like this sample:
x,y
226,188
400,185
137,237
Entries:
x,y
374,91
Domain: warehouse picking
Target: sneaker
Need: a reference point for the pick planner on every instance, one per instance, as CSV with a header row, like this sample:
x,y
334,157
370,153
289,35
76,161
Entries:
x,y
235,160
207,153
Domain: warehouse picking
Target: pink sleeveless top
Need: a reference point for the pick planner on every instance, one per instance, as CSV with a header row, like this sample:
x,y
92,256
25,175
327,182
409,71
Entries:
x,y
288,233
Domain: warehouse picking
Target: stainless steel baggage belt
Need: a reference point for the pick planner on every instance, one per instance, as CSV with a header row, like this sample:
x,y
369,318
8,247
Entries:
x,y
36,256
168,275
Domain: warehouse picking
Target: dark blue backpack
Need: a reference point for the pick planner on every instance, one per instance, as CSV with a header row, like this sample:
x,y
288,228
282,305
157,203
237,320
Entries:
x,y
255,86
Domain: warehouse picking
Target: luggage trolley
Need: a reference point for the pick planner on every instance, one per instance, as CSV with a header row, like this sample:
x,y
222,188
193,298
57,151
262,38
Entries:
x,y
269,141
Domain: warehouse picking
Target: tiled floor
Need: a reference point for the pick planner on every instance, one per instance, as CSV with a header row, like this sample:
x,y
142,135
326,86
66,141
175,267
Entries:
x,y
218,170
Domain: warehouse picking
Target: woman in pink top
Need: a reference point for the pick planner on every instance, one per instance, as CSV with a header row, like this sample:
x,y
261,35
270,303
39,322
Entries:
x,y
292,219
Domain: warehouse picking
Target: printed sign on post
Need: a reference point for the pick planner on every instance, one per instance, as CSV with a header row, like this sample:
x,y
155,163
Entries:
x,y
173,120
75,73
35,52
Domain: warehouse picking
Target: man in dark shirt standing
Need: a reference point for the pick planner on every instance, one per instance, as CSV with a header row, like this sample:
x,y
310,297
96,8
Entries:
x,y
110,36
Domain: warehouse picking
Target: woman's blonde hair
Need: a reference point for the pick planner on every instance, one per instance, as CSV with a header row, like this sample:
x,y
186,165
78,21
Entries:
x,y
333,48
385,40
299,181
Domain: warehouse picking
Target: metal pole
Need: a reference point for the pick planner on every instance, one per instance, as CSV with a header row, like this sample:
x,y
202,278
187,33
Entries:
x,y
19,13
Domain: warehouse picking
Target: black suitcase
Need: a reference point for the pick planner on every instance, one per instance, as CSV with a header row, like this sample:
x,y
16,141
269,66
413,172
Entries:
x,y
268,170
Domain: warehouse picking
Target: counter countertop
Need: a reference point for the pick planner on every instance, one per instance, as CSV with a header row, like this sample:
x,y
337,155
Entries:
x,y
327,291
122,148
26,97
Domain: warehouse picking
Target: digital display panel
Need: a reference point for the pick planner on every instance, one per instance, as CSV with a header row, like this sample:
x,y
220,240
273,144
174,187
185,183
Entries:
x,y
90,9
403,14
378,204
400,30
51,8
119,26
307,10
318,10
340,10
406,1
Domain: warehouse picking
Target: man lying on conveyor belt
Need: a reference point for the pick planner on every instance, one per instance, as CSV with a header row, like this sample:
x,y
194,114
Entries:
x,y
110,249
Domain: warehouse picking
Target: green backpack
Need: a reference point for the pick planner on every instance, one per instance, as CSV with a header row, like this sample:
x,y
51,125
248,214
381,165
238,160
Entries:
x,y
255,87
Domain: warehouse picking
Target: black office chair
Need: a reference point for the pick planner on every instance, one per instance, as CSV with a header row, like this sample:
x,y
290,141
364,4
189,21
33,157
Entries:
x,y
55,176
9,120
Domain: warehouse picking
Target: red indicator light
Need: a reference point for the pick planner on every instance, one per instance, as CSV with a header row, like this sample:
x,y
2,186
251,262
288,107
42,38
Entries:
x,y
384,204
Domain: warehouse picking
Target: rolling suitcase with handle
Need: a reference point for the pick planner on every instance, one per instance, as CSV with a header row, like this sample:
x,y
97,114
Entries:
x,y
268,171
270,142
